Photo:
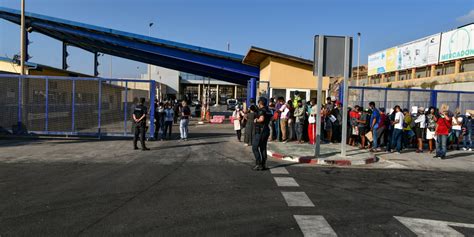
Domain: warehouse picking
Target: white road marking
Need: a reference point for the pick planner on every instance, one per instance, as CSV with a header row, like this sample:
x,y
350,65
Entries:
x,y
314,226
297,199
286,182
279,170
426,227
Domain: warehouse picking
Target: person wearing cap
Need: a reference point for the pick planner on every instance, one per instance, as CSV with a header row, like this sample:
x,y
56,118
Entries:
x,y
467,132
238,116
420,125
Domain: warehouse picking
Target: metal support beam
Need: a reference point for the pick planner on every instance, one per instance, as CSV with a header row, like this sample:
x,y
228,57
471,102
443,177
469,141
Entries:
x,y
345,100
65,54
96,64
253,91
22,39
125,107
152,109
320,47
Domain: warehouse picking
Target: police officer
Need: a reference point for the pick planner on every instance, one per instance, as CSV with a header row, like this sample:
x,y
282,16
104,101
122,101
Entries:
x,y
262,132
139,117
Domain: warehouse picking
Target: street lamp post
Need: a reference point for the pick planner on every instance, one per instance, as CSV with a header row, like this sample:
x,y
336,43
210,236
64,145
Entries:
x,y
22,39
358,58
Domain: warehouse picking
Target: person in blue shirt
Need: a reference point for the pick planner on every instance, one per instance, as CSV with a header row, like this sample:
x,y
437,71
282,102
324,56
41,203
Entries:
x,y
374,125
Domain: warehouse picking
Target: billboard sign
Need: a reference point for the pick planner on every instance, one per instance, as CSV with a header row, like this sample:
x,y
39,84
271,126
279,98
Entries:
x,y
458,43
383,61
419,53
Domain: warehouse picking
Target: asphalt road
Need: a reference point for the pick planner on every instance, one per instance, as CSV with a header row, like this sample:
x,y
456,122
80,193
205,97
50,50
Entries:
x,y
205,187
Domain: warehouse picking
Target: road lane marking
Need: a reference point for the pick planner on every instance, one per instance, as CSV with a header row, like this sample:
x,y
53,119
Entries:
x,y
297,199
286,182
426,227
279,170
314,226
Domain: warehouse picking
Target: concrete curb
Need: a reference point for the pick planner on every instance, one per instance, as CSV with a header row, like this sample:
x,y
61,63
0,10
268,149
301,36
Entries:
x,y
322,161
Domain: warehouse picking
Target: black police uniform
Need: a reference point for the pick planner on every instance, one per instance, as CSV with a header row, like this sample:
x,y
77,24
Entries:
x,y
140,127
259,144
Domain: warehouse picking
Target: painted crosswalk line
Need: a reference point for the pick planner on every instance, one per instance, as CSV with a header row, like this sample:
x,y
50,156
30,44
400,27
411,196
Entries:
x,y
314,226
297,199
286,182
426,227
279,170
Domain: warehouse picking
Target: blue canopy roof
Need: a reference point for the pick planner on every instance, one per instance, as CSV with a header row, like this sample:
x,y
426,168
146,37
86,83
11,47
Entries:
x,y
178,56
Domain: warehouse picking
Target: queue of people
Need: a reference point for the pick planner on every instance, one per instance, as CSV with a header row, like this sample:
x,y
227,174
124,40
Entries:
x,y
373,128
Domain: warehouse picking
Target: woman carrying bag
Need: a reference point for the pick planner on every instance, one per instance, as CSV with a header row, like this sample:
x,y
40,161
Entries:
x,y
238,116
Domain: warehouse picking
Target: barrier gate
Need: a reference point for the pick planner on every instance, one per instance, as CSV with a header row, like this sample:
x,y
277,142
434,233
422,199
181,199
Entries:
x,y
72,106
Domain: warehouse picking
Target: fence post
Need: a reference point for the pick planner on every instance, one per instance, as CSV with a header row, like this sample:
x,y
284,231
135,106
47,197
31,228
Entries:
x,y
46,109
99,109
20,94
408,100
152,109
385,100
73,106
458,102
125,107
434,98
362,97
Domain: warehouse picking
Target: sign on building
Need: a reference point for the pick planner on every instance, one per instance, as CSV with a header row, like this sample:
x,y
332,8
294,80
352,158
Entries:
x,y
458,43
418,53
383,61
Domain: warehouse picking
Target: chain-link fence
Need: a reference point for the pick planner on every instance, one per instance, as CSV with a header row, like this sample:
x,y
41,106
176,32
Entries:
x,y
407,98
71,105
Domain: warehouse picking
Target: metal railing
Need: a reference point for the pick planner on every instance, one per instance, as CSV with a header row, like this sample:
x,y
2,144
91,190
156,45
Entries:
x,y
406,98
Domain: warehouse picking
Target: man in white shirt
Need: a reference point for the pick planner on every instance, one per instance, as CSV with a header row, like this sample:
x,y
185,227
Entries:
x,y
398,128
284,110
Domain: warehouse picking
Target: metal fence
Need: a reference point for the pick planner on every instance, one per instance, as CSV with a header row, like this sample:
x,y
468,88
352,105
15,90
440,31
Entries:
x,y
72,106
406,98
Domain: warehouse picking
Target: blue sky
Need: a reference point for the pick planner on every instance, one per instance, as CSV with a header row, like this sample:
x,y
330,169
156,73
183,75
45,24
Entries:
x,y
282,25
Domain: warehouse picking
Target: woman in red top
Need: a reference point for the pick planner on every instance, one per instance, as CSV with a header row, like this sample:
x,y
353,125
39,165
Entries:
x,y
443,126
354,115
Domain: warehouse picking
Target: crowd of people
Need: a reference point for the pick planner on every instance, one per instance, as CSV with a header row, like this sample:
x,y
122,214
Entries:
x,y
377,129
169,113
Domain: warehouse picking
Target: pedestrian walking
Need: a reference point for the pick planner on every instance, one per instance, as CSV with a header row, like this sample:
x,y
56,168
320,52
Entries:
x,y
443,125
139,117
184,120
363,126
262,132
238,116
284,115
169,118
455,135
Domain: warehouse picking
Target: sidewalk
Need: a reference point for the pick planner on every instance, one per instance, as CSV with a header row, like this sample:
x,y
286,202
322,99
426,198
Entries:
x,y
330,154
304,153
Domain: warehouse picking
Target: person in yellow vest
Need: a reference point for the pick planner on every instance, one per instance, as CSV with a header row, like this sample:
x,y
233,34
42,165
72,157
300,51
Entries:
x,y
296,99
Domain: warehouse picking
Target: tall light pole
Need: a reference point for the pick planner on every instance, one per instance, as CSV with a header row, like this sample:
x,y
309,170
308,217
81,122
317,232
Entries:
x,y
22,39
149,65
358,58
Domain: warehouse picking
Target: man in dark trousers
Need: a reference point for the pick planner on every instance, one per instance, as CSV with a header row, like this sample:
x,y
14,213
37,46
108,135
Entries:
x,y
262,132
139,117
